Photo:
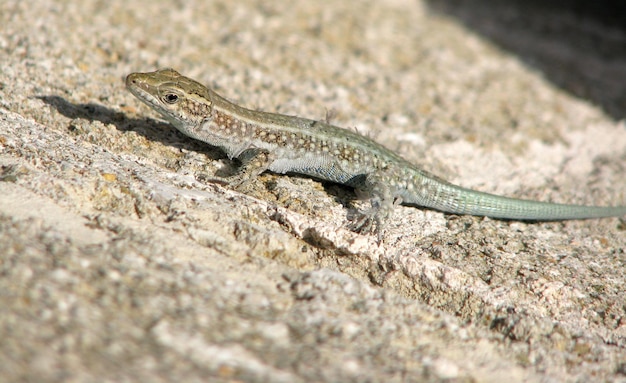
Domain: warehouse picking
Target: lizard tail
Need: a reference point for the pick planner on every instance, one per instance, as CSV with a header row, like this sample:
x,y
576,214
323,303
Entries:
x,y
454,199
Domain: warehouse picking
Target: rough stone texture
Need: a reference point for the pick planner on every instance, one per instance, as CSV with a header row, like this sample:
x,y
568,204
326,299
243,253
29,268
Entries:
x,y
120,262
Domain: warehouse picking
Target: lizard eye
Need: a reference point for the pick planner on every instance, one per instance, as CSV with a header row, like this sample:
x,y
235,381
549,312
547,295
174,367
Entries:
x,y
171,98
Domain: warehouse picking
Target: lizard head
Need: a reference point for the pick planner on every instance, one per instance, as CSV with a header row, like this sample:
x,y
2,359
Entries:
x,y
181,100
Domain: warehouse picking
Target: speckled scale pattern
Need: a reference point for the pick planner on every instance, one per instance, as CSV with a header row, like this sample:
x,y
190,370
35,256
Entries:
x,y
305,141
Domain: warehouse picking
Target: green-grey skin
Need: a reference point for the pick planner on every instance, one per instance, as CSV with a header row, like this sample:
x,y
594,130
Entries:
x,y
282,144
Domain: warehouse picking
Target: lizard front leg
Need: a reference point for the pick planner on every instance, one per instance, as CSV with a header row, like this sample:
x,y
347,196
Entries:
x,y
254,161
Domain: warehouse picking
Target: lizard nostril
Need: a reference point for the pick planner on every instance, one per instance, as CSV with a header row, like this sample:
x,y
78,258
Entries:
x,y
131,79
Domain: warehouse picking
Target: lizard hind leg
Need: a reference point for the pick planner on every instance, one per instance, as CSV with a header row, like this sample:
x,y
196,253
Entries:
x,y
382,200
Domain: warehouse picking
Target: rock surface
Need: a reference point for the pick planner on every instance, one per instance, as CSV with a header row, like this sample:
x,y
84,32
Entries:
x,y
119,261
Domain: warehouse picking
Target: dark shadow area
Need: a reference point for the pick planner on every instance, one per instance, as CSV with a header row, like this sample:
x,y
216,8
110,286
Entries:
x,y
580,46
151,129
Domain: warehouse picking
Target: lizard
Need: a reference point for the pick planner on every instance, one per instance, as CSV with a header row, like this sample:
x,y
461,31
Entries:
x,y
287,144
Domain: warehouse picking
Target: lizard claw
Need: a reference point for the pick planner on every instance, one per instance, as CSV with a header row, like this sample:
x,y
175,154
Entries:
x,y
369,222
235,182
